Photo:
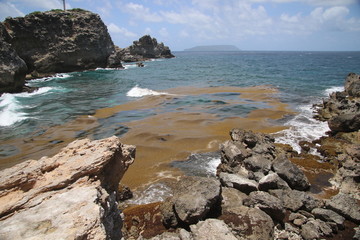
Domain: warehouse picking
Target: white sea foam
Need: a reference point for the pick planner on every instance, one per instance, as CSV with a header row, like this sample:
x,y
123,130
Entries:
x,y
46,79
155,192
127,66
303,127
10,106
141,92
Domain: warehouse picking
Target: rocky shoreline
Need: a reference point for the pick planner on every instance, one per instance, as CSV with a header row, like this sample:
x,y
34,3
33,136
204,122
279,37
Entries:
x,y
44,43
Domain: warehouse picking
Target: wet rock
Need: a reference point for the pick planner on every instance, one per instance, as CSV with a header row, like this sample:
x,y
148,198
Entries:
x,y
249,223
70,195
291,173
238,182
346,206
272,181
329,216
345,123
211,229
267,203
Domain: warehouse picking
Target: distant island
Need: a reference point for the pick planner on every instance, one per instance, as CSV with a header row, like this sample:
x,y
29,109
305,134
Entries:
x,y
212,48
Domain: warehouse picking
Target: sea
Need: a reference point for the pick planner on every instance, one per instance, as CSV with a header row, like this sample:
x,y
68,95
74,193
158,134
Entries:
x,y
176,111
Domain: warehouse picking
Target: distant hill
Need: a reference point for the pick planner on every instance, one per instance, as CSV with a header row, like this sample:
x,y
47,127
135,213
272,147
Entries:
x,y
211,48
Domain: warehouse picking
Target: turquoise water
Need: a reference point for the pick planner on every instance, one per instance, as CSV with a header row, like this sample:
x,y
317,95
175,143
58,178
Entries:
x,y
302,78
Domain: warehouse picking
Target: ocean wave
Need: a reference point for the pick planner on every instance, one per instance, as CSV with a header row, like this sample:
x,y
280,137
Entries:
x,y
141,92
10,106
46,79
156,192
303,127
127,66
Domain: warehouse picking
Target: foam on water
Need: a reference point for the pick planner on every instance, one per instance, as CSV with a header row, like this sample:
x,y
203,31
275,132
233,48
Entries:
x,y
141,92
10,106
303,127
46,79
127,66
156,192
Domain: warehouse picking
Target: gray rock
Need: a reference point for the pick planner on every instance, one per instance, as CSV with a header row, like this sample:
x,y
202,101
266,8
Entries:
x,y
230,198
195,197
249,223
211,229
315,229
346,206
238,182
295,200
345,123
291,173
357,233
329,216
352,85
267,203
272,181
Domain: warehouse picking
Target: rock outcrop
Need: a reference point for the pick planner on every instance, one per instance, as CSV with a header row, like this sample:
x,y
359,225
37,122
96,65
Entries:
x,y
71,195
12,68
143,49
61,41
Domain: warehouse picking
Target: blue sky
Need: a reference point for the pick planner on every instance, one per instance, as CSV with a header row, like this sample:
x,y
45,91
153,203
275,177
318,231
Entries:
x,y
315,25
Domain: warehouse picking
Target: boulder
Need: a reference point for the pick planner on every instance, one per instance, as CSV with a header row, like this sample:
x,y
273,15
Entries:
x,y
290,173
61,41
328,215
346,206
272,181
267,203
230,198
249,223
211,229
345,123
195,198
12,67
71,195
238,182
315,229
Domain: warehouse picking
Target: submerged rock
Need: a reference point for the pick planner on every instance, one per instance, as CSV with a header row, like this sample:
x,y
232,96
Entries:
x,y
71,195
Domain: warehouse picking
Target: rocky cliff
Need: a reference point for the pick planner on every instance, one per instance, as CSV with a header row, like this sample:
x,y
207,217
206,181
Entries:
x,y
58,41
145,48
69,196
12,68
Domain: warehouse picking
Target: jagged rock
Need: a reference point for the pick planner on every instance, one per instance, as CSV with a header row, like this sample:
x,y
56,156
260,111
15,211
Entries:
x,y
295,200
345,206
12,67
238,182
290,173
68,196
357,233
61,41
211,229
315,229
352,85
267,203
145,48
193,199
329,216
345,123
249,223
272,181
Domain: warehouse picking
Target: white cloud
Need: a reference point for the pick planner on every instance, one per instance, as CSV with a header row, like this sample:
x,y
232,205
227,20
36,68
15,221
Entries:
x,y
163,32
113,28
139,12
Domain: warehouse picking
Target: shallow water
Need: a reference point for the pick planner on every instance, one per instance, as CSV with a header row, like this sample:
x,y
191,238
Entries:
x,y
174,108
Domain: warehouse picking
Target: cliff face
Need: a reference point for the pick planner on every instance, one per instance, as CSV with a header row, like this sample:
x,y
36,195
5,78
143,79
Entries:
x,y
145,48
71,195
58,41
12,67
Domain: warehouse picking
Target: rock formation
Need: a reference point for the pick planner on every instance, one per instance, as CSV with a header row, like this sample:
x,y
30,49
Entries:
x,y
145,48
12,68
71,195
60,41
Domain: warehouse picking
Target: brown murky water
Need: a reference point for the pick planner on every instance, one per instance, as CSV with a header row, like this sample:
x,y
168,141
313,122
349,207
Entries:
x,y
164,136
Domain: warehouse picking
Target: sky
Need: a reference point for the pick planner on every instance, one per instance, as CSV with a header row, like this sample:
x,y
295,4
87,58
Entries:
x,y
271,25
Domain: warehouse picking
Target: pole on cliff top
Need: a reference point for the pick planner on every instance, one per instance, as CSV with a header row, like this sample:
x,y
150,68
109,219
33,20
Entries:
x,y
64,4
